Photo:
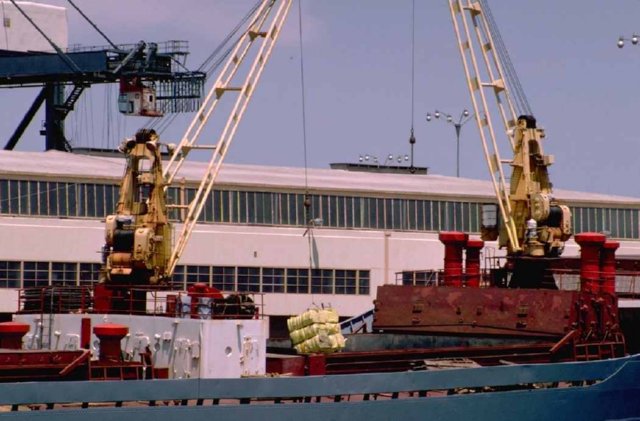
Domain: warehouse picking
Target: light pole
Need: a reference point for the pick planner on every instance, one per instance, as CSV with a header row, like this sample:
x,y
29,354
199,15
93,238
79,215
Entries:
x,y
634,40
464,118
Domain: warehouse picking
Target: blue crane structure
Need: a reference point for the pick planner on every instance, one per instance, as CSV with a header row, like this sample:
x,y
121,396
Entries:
x,y
152,78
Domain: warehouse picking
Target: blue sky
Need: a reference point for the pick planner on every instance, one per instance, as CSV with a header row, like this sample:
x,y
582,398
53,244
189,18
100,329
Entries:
x,y
583,90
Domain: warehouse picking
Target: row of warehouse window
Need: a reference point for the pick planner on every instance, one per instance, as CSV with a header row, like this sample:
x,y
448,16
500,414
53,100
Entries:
x,y
88,200
226,278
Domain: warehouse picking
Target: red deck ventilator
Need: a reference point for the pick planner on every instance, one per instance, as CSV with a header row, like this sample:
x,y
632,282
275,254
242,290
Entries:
x,y
110,335
472,263
454,243
608,266
590,245
11,334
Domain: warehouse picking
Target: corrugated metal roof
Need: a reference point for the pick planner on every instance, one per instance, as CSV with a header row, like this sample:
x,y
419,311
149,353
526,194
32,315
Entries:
x,y
64,165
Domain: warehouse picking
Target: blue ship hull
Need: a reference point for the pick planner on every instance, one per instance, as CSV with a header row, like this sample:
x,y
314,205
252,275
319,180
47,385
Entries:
x,y
598,390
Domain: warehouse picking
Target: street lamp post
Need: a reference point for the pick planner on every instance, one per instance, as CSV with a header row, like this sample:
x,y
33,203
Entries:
x,y
462,120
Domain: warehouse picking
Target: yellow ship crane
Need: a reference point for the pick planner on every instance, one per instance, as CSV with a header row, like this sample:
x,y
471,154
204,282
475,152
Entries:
x,y
139,248
533,222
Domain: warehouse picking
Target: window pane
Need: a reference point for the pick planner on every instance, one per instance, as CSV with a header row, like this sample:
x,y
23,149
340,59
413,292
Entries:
x,y
4,196
196,274
72,208
272,280
33,197
14,192
99,194
249,279
24,198
42,196
9,274
63,274
224,278
242,209
298,281
322,281
36,274
363,282
177,280
89,273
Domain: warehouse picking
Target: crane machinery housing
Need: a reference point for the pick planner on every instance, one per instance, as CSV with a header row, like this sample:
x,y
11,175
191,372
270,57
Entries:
x,y
533,224
139,249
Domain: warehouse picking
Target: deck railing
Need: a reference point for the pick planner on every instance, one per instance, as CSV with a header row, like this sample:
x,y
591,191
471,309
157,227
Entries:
x,y
83,299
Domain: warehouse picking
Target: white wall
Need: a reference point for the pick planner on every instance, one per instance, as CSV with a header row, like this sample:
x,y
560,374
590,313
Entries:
x,y
383,253
18,34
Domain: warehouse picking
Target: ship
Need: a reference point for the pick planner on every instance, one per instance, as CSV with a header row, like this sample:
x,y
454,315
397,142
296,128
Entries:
x,y
535,335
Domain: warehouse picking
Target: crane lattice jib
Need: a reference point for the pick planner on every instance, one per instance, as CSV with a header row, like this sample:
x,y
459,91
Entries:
x,y
263,32
474,38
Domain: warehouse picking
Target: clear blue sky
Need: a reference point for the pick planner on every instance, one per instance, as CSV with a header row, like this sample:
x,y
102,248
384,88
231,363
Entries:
x,y
583,90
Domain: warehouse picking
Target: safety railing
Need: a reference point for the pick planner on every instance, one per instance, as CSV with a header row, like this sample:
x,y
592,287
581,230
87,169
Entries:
x,y
213,304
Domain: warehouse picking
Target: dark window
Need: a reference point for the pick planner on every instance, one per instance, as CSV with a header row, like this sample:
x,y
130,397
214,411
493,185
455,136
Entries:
x,y
358,220
24,197
298,281
322,281
249,279
36,274
72,200
100,202
301,212
91,200
216,203
272,280
412,222
224,278
4,196
63,274
196,274
9,274
33,197
363,282
242,207
14,192
43,198
177,280
173,198
345,281
89,272
424,277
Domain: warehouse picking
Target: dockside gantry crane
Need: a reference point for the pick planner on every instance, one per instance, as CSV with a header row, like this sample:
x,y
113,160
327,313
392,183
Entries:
x,y
139,250
533,223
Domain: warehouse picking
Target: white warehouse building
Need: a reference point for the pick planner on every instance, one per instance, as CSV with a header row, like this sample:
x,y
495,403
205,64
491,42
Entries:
x,y
364,229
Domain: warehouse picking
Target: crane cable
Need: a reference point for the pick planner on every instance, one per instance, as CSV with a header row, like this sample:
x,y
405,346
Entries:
x,y
412,138
209,66
309,221
92,24
520,98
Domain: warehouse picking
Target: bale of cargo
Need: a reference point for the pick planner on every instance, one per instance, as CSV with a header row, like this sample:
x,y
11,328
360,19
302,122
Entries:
x,y
316,330
321,343
301,335
312,316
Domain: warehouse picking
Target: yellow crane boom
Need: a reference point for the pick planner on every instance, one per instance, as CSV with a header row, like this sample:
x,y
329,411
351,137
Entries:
x,y
533,223
139,248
